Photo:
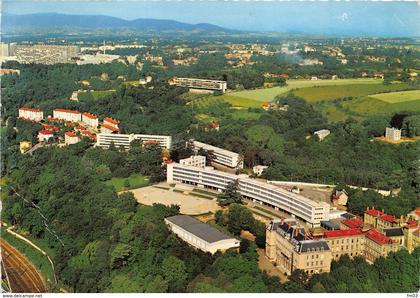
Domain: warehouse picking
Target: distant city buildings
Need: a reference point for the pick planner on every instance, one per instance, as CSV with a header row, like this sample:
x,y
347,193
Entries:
x,y
45,54
199,234
392,133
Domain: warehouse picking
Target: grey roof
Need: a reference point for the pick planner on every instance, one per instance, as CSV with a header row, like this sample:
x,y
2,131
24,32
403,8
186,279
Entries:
x,y
330,224
313,245
198,228
392,232
347,215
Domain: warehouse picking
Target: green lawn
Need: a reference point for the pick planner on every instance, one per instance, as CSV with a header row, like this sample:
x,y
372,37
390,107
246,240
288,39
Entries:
x,y
135,180
269,94
398,97
370,106
101,93
244,114
323,93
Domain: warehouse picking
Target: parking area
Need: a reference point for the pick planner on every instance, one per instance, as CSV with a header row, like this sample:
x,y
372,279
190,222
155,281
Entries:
x,y
189,203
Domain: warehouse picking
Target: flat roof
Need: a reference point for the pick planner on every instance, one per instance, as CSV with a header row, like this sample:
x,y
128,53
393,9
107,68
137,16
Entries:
x,y
214,148
198,228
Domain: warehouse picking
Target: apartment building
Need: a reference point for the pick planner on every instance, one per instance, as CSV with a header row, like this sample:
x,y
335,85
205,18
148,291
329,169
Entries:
x,y
345,242
90,120
45,54
310,211
71,138
104,140
290,249
378,245
68,115
111,122
195,161
199,234
392,133
200,84
221,156
31,114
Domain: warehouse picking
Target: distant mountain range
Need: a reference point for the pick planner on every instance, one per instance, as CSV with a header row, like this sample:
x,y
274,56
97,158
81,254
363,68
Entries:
x,y
12,22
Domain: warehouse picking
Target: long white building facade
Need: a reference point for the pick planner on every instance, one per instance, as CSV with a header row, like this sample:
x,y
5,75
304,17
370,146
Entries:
x,y
221,156
200,84
301,207
104,140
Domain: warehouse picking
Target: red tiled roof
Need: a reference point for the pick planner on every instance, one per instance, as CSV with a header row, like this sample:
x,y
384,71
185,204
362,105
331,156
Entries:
x,y
342,233
379,238
388,218
80,127
417,211
69,123
30,109
110,127
91,116
45,132
111,120
265,104
67,111
412,223
374,212
353,223
70,134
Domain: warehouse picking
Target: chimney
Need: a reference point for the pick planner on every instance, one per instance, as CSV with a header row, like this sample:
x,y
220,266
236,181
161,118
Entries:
x,y
382,210
368,208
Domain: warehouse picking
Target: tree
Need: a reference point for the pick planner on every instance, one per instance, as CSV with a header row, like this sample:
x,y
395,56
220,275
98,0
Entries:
x,y
219,218
248,284
318,288
230,194
157,285
244,246
126,184
174,273
120,255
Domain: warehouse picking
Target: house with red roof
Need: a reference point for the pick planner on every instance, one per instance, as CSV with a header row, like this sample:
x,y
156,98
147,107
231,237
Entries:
x,y
350,242
45,135
351,223
111,122
70,138
106,128
31,114
379,219
90,119
378,245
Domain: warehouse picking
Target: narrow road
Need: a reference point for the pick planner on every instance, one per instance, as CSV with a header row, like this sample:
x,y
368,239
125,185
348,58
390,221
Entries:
x,y
23,276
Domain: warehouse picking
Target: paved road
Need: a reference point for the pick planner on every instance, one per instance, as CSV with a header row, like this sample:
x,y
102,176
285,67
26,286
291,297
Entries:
x,y
22,274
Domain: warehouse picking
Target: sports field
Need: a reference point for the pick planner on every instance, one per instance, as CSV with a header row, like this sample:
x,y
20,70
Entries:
x,y
398,97
135,181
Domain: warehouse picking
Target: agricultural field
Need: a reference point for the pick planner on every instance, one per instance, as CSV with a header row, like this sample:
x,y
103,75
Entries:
x,y
101,93
134,180
325,93
398,97
369,105
269,94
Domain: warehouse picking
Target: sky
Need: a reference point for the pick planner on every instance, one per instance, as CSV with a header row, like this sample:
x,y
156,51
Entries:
x,y
331,17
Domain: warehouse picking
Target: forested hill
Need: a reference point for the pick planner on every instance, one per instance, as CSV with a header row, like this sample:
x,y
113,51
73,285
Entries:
x,y
13,22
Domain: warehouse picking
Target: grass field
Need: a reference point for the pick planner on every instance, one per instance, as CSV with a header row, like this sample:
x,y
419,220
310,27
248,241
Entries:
x,y
269,94
135,180
324,93
101,93
244,114
371,106
398,97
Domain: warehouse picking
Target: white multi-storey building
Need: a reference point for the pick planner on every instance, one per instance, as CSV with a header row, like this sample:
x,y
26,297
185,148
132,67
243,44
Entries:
x,y
221,156
306,209
68,115
71,138
203,84
393,133
44,135
195,161
104,140
322,134
31,114
90,120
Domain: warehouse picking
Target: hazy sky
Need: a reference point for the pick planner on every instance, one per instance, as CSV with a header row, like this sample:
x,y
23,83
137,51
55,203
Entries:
x,y
356,17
